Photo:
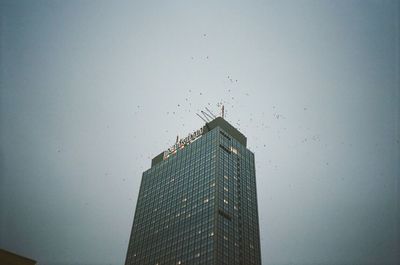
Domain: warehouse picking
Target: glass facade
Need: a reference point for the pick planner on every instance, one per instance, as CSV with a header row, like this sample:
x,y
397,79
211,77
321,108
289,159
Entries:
x,y
198,206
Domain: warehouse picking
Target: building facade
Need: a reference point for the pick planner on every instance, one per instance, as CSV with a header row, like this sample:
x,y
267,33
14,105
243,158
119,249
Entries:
x,y
197,203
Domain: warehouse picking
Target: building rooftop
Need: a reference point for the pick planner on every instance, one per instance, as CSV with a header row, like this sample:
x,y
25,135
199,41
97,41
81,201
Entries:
x,y
217,122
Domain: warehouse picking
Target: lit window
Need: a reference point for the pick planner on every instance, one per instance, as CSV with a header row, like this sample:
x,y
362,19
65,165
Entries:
x,y
179,262
212,234
197,255
184,200
225,189
225,238
234,150
205,200
225,201
212,184
226,177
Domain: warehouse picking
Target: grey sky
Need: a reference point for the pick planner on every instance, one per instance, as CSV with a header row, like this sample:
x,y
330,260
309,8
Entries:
x,y
92,90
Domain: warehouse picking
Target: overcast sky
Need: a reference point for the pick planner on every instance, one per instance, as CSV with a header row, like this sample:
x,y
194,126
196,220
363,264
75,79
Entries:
x,y
92,90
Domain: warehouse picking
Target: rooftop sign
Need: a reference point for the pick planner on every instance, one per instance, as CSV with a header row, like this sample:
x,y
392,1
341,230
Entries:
x,y
183,142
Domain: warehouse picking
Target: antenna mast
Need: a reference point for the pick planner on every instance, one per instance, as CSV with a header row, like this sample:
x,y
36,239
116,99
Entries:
x,y
201,118
208,116
212,114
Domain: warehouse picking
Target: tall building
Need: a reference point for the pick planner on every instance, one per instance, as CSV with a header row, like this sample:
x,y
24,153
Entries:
x,y
197,203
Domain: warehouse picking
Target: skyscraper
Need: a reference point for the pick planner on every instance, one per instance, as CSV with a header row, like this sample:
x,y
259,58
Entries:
x,y
197,203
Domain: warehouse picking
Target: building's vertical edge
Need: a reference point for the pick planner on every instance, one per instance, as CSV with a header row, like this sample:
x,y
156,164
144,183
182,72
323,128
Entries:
x,y
217,172
127,260
258,218
239,161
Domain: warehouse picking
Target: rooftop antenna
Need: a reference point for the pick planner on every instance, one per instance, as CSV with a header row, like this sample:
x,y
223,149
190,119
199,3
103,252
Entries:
x,y
222,112
201,118
206,115
212,114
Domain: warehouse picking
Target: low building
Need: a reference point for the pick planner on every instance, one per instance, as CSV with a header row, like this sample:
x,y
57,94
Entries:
x,y
9,258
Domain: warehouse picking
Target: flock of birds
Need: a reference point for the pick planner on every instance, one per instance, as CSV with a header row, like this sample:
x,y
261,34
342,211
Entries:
x,y
233,95
260,122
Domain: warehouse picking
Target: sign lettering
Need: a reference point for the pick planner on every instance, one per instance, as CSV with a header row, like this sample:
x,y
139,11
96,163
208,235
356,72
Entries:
x,y
183,142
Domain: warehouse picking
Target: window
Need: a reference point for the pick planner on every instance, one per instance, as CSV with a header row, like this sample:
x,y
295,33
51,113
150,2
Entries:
x,y
234,150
